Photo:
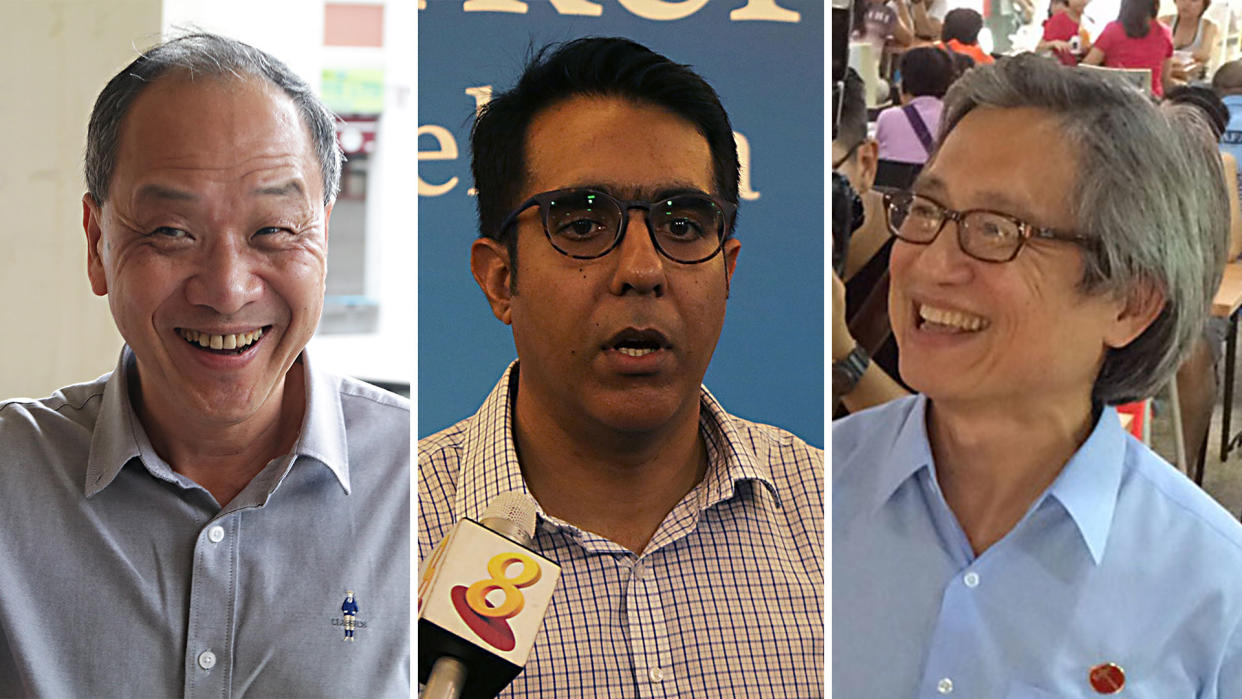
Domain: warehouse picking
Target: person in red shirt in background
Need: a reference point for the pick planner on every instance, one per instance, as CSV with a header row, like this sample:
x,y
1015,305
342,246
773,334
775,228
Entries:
x,y
1136,40
960,33
1063,32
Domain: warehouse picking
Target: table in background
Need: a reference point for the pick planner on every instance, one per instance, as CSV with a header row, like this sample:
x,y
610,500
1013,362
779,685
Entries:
x,y
1225,305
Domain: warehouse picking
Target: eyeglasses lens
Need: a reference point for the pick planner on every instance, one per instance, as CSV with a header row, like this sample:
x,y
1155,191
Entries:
x,y
983,235
586,224
687,227
583,224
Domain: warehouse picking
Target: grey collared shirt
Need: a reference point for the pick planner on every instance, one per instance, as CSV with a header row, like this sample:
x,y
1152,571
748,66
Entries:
x,y
121,577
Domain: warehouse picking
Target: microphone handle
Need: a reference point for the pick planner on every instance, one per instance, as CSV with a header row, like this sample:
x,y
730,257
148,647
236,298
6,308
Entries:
x,y
448,678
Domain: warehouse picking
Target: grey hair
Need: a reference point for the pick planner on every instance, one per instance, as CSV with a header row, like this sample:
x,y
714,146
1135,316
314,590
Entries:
x,y
1149,189
211,55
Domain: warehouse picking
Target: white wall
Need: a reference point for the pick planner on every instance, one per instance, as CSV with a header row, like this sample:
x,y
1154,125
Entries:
x,y
58,54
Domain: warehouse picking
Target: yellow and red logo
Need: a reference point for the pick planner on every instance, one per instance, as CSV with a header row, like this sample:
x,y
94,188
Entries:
x,y
491,622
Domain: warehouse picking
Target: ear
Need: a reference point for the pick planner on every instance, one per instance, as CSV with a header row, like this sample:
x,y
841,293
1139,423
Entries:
x,y
1141,308
91,214
327,219
489,262
732,247
868,160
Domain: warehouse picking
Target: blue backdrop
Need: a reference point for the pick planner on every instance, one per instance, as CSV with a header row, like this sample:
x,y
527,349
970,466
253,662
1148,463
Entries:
x,y
769,72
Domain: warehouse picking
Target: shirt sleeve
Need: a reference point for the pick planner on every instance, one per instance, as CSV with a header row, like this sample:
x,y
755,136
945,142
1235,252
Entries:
x,y
883,126
1108,37
1055,29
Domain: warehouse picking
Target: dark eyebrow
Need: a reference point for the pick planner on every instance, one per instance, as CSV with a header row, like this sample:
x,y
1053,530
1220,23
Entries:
x,y
155,191
645,193
289,188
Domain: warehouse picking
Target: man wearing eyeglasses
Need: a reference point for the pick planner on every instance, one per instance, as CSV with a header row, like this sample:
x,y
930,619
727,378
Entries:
x,y
999,534
690,540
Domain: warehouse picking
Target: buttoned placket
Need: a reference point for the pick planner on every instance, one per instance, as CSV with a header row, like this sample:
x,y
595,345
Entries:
x,y
213,599
650,648
214,587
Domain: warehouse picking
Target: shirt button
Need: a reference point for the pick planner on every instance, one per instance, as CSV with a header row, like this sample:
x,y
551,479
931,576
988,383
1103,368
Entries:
x,y
206,660
657,674
944,686
216,534
972,580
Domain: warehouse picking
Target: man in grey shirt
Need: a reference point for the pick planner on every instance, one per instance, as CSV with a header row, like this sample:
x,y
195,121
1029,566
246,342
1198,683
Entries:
x,y
190,523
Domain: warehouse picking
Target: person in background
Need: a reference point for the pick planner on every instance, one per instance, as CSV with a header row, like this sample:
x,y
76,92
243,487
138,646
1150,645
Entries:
x,y
1194,38
1227,84
961,63
928,18
866,268
1197,381
999,534
1136,40
905,133
960,33
883,24
1064,34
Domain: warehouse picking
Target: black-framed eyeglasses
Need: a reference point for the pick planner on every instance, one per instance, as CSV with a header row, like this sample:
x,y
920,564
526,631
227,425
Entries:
x,y
990,236
686,227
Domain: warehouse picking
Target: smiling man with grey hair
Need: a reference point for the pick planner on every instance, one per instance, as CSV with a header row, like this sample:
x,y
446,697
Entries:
x,y
189,523
999,534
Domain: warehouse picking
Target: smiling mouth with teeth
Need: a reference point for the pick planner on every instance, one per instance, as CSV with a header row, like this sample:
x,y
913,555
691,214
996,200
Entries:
x,y
944,320
222,344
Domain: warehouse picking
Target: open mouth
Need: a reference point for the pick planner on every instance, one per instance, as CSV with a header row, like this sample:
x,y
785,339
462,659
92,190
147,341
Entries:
x,y
637,343
233,343
943,320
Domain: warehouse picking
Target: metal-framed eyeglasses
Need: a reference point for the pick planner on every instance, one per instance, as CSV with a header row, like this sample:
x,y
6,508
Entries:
x,y
990,236
686,227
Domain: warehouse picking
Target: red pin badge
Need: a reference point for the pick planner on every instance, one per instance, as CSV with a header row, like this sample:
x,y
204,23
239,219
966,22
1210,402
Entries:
x,y
1107,678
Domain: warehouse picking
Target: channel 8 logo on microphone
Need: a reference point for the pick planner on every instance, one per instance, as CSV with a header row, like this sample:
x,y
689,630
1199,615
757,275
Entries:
x,y
491,621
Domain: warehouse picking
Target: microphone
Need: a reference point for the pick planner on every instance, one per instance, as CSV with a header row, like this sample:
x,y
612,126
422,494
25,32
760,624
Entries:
x,y
482,596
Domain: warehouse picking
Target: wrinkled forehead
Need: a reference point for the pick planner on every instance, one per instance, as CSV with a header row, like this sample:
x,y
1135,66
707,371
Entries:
x,y
222,128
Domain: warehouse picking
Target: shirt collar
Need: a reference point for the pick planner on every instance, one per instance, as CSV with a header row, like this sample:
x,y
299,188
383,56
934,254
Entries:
x,y
490,463
1232,100
119,436
1086,487
910,451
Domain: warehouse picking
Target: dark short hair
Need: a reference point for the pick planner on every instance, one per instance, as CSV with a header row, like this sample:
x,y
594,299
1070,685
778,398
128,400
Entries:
x,y
926,71
962,24
598,67
852,124
1136,16
1228,79
192,56
961,63
1209,105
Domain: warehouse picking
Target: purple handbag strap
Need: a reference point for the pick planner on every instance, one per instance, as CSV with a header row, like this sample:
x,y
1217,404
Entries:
x,y
920,128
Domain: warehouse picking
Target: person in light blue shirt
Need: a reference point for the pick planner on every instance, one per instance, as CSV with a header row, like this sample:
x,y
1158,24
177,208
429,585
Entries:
x,y
1227,83
999,534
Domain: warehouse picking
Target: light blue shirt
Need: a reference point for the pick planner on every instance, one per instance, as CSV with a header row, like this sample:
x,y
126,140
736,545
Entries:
x,y
1231,140
1122,560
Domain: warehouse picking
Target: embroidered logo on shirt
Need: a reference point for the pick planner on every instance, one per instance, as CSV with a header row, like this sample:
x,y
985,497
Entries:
x,y
349,616
491,621
1107,678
